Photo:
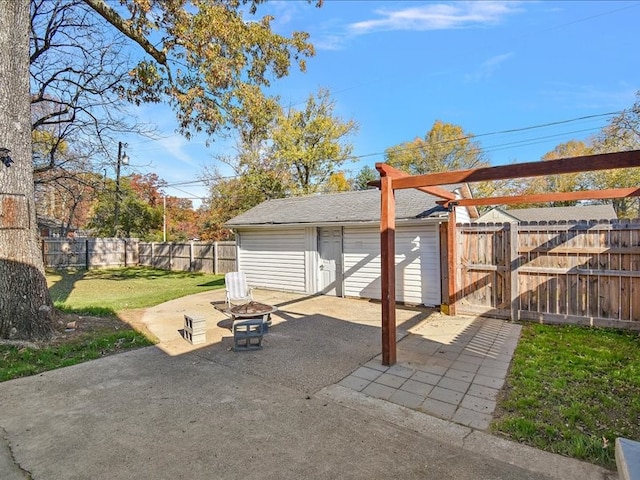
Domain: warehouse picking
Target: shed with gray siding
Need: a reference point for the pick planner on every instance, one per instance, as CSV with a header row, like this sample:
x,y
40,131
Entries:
x,y
331,244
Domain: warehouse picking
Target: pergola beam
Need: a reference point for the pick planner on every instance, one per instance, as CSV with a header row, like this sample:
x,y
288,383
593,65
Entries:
x,y
603,161
389,171
547,197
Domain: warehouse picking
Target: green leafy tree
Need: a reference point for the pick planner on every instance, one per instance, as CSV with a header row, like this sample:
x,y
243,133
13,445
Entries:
x,y
444,147
312,143
364,176
136,218
232,196
290,154
257,176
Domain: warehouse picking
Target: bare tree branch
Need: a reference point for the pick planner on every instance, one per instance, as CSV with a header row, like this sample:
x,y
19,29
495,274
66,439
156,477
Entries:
x,y
111,16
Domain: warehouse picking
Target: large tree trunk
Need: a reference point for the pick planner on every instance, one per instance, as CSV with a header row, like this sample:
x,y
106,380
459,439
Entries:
x,y
25,304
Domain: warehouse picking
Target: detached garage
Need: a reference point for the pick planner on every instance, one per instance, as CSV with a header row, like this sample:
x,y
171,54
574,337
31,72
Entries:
x,y
330,244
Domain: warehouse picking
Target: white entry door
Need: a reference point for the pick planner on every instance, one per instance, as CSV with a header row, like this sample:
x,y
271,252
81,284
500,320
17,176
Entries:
x,y
330,261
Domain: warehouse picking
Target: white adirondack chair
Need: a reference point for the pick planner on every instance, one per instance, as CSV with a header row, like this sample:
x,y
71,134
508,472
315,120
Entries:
x,y
238,292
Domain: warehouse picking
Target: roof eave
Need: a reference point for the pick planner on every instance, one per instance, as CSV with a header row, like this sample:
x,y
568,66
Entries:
x,y
403,221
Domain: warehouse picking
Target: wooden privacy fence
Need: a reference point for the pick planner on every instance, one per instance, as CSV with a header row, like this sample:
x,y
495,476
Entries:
x,y
216,257
89,252
584,273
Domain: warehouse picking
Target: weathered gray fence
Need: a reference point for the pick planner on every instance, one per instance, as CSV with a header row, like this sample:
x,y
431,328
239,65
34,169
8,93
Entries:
x,y
89,252
216,257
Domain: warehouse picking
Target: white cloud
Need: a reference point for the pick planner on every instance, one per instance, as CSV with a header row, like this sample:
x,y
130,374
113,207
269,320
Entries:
x,y
488,67
174,146
439,16
329,42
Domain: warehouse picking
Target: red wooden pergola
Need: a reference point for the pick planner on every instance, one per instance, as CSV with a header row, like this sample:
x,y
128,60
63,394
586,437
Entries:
x,y
392,179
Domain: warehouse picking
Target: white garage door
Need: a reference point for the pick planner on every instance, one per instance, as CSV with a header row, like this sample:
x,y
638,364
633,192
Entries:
x,y
273,258
417,264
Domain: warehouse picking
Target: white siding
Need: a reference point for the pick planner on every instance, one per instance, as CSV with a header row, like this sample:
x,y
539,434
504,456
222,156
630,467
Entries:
x,y
417,263
273,258
462,215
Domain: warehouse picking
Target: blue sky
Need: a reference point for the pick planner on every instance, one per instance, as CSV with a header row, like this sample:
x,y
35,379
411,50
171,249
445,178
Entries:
x,y
396,67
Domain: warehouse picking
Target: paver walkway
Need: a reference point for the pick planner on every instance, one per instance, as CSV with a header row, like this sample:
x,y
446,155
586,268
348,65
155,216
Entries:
x,y
451,368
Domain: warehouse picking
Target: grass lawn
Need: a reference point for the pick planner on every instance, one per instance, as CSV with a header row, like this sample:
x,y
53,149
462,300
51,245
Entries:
x,y
95,298
24,361
572,391
110,291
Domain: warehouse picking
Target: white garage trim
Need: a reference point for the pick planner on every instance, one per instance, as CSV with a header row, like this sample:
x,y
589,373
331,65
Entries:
x,y
274,258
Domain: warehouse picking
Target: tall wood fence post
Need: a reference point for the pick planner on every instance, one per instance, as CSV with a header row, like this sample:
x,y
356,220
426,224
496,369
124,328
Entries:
x,y
514,264
216,256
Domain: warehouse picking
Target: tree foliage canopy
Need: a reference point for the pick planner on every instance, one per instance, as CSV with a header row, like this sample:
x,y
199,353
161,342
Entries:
x,y
208,58
312,143
137,217
363,177
621,134
444,147
294,153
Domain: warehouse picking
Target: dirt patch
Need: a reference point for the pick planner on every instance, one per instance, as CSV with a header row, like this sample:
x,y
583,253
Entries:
x,y
70,326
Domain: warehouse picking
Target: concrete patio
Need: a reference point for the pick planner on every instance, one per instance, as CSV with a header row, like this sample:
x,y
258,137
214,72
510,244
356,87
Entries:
x,y
449,367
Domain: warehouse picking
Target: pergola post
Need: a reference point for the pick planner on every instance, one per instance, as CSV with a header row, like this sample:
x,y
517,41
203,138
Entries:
x,y
451,259
388,270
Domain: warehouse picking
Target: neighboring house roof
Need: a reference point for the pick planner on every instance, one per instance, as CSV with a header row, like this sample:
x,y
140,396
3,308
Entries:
x,y
344,207
556,214
496,215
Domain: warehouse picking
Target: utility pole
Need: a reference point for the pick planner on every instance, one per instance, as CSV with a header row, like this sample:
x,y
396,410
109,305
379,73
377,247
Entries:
x,y
164,218
122,160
